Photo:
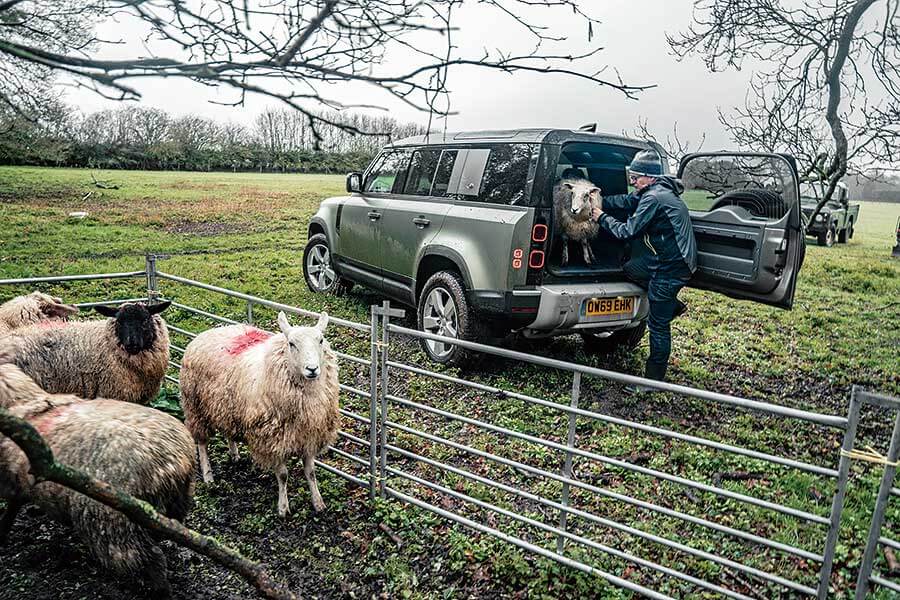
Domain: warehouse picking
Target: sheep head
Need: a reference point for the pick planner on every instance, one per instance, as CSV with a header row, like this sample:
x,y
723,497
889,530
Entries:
x,y
306,347
134,324
52,307
577,197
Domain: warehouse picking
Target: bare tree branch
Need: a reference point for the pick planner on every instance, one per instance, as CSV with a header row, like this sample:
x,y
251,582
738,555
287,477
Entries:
x,y
827,81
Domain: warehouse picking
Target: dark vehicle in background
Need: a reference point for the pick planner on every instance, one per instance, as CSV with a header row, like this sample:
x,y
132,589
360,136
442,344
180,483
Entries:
x,y
460,227
836,220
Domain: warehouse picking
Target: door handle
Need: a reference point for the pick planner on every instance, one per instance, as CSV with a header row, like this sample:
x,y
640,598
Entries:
x,y
374,215
421,222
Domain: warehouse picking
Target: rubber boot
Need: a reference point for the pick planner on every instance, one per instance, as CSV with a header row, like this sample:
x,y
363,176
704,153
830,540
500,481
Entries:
x,y
654,371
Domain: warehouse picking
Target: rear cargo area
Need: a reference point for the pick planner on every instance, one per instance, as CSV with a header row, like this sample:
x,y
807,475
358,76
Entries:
x,y
604,165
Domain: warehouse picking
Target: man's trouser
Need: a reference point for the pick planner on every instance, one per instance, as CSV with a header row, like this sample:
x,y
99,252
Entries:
x,y
662,282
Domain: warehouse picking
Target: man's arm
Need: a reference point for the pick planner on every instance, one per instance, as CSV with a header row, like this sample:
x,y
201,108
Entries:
x,y
637,222
625,202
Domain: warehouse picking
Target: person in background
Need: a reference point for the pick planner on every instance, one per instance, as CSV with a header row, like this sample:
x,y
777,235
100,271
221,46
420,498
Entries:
x,y
663,249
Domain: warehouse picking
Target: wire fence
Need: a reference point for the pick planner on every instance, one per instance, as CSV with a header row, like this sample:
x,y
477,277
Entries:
x,y
539,472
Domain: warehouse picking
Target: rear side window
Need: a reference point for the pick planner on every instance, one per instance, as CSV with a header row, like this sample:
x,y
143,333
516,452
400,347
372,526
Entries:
x,y
444,171
421,172
506,174
389,173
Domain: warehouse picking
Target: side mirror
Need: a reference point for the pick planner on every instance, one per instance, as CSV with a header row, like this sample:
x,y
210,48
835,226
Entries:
x,y
354,182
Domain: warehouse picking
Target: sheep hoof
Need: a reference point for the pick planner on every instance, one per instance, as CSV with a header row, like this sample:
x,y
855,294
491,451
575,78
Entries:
x,y
318,506
207,478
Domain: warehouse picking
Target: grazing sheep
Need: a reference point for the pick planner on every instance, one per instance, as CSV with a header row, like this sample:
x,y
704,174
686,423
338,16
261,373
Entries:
x,y
573,199
141,451
33,308
124,357
277,392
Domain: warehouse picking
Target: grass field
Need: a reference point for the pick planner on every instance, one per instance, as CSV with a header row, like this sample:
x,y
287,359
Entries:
x,y
247,232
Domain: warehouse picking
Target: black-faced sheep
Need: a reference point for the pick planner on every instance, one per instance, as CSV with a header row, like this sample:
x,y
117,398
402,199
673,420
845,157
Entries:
x,y
573,200
124,357
277,392
33,308
141,451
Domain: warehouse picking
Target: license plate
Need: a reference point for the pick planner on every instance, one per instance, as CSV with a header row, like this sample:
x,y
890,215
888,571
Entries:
x,y
599,307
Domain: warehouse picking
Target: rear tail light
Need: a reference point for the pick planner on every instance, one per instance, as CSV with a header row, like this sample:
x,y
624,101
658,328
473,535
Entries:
x,y
539,233
518,253
536,259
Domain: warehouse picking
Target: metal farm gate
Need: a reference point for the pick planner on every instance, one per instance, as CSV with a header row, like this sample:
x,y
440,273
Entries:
x,y
530,471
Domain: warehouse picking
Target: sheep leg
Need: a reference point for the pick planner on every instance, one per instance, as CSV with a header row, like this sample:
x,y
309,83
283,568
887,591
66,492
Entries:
x,y
309,469
281,474
155,574
233,449
565,251
204,463
9,517
588,252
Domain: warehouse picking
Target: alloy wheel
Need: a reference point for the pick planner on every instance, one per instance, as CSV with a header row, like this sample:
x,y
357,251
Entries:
x,y
440,317
319,271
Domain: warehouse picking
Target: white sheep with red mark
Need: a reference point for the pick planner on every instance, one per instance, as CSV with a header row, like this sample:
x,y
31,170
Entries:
x,y
278,392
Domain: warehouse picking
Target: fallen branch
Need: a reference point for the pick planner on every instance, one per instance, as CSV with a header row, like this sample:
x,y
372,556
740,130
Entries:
x,y
390,533
45,468
103,185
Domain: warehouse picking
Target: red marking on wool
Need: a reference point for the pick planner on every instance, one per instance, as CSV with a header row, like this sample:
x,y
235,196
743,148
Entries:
x,y
45,422
52,324
249,338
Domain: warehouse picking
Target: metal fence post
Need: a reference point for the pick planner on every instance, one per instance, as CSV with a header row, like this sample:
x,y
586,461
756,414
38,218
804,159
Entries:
x,y
884,493
152,283
373,400
385,321
837,504
567,468
249,312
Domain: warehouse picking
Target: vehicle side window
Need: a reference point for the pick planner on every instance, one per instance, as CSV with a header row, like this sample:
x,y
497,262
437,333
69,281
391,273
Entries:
x,y
421,171
444,171
389,174
506,174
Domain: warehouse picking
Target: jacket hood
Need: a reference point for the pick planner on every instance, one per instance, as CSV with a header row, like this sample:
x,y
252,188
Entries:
x,y
669,182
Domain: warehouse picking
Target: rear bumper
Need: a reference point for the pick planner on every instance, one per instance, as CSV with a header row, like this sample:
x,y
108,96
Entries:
x,y
548,309
562,306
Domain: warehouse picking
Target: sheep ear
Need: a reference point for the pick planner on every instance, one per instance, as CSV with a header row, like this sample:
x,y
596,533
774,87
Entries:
x,y
107,311
323,322
283,323
58,310
155,309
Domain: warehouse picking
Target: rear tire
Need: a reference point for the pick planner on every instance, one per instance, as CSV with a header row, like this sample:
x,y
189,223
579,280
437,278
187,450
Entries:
x,y
842,235
318,268
444,310
627,339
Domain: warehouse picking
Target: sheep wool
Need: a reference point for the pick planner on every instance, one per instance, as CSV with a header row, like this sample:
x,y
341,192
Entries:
x,y
141,451
85,358
573,200
246,383
31,309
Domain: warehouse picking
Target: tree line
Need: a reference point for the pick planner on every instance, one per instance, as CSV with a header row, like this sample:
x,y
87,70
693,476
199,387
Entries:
x,y
136,137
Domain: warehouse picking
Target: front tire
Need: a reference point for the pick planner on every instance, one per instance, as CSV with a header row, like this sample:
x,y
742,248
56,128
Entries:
x,y
826,238
627,339
444,310
318,269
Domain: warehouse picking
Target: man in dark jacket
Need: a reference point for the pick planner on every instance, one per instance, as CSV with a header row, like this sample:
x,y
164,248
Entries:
x,y
663,252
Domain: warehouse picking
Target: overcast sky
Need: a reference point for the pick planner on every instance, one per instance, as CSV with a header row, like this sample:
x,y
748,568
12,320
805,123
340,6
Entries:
x,y
632,34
